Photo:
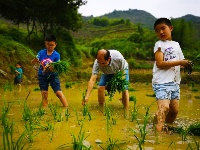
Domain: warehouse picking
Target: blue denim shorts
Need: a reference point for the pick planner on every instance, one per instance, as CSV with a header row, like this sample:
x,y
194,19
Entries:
x,y
53,80
168,91
105,78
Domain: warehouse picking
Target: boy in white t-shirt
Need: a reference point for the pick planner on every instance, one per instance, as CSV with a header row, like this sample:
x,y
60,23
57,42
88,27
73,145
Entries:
x,y
166,73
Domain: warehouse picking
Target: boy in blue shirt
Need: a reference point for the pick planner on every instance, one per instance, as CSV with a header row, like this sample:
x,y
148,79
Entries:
x,y
46,75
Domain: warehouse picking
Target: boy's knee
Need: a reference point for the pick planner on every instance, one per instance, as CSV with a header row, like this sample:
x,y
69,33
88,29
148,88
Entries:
x,y
44,94
101,88
164,108
174,111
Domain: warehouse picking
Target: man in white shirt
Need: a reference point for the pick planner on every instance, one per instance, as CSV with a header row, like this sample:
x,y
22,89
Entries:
x,y
109,62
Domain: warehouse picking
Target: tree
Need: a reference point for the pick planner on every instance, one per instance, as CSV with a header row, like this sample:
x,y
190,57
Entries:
x,y
48,15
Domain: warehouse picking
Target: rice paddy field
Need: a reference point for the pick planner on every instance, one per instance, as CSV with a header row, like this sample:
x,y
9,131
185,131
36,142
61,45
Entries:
x,y
26,125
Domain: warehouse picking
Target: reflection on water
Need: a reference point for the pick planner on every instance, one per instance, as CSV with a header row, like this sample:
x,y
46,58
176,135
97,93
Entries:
x,y
123,133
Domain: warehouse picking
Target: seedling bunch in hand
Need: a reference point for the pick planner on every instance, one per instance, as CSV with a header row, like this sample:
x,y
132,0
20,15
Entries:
x,y
59,67
117,83
190,66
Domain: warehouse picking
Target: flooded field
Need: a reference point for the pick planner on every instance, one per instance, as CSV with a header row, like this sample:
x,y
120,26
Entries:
x,y
110,128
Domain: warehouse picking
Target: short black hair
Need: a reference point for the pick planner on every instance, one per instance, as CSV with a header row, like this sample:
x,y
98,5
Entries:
x,y
162,20
19,63
107,55
50,38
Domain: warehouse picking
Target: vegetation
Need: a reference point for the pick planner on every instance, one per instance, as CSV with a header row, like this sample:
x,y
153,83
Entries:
x,y
42,15
115,30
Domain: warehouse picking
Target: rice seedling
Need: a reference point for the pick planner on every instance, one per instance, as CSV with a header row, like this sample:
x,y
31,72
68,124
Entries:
x,y
194,146
67,114
8,86
52,133
9,143
41,111
117,83
189,68
27,113
77,117
48,127
112,144
56,112
5,109
172,145
29,128
143,127
36,89
12,69
68,85
108,117
85,110
131,89
28,50
194,129
78,143
134,111
110,120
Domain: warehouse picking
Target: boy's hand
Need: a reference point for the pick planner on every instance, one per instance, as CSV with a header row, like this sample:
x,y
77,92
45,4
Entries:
x,y
48,68
188,67
35,61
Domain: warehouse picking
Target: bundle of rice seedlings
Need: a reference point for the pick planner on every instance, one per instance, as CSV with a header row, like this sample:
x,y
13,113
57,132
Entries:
x,y
117,83
191,64
60,66
12,69
28,50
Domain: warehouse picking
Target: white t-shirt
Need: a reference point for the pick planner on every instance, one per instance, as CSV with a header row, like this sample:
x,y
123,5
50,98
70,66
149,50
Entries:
x,y
117,63
172,52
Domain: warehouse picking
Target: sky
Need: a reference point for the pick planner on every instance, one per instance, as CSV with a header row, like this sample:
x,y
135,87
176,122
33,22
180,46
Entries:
x,y
158,8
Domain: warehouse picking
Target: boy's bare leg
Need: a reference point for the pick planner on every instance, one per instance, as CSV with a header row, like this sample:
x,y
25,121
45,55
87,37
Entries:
x,y
173,111
163,109
125,99
44,98
20,87
101,95
62,98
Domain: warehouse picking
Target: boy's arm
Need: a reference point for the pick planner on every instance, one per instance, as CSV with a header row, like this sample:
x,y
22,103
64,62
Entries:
x,y
160,63
17,72
35,61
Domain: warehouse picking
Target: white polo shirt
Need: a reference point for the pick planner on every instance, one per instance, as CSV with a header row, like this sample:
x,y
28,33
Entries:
x,y
117,63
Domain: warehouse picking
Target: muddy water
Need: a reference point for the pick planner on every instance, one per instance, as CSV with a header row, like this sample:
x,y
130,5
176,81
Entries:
x,y
96,129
